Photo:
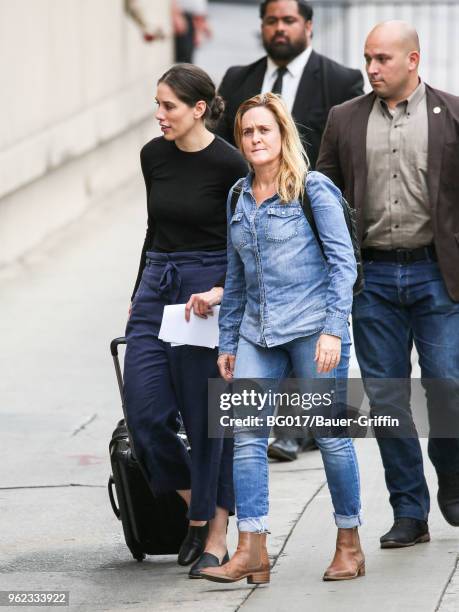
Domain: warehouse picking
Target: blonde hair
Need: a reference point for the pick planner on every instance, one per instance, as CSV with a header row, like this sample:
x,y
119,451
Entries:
x,y
294,163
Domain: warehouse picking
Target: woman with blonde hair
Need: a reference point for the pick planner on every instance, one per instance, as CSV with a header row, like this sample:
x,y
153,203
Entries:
x,y
285,308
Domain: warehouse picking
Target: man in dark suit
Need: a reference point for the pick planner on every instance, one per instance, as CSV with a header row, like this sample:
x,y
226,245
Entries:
x,y
394,153
309,82
310,85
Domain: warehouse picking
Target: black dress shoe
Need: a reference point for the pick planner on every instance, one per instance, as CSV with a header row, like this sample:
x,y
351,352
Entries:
x,y
405,532
193,544
206,560
448,497
283,450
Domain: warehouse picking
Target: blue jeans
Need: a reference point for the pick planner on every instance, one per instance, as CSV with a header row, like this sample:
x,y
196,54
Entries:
x,y
402,305
250,467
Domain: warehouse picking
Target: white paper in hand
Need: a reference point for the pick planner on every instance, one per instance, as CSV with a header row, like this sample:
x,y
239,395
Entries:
x,y
197,332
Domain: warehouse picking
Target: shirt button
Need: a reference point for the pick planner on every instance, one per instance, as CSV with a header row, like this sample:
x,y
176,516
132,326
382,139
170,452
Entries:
x,y
394,176
394,150
395,201
396,226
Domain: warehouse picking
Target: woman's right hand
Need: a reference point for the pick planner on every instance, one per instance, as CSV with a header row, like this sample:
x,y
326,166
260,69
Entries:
x,y
328,353
225,364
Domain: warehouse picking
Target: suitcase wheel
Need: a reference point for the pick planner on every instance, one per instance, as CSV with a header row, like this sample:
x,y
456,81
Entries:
x,y
139,556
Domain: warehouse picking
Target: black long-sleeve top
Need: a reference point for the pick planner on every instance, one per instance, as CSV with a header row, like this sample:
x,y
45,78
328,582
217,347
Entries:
x,y
186,196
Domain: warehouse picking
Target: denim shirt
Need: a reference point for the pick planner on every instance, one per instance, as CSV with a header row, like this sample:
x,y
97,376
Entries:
x,y
278,285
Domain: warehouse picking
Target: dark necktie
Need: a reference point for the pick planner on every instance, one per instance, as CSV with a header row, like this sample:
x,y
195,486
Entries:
x,y
277,87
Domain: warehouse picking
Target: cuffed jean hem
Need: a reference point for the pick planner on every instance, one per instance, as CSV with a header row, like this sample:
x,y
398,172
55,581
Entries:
x,y
347,522
258,524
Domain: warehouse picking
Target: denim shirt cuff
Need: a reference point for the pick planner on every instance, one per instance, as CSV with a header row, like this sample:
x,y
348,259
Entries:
x,y
227,347
335,325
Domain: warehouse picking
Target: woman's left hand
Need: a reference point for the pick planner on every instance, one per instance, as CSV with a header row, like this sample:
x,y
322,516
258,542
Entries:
x,y
328,353
201,303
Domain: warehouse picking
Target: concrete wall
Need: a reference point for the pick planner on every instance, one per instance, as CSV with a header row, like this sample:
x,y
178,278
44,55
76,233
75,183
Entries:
x,y
76,105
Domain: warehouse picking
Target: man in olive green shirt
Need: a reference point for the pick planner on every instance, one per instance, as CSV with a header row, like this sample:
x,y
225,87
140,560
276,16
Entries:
x,y
397,215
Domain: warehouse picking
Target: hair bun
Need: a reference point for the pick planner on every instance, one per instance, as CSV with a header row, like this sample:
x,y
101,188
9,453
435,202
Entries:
x,y
217,106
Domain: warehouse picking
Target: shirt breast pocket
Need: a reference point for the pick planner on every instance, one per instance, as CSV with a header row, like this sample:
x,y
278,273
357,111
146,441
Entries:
x,y
240,233
282,223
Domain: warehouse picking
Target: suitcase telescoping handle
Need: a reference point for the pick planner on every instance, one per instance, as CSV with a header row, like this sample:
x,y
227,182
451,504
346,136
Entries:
x,y
114,344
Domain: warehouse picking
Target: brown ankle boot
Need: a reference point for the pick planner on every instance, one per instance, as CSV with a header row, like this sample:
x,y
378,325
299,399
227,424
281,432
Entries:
x,y
249,561
349,560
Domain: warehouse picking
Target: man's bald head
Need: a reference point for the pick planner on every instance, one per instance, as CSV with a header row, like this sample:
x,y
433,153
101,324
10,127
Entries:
x,y
392,60
400,32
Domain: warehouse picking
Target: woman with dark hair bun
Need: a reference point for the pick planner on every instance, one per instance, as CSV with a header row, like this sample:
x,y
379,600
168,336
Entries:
x,y
188,172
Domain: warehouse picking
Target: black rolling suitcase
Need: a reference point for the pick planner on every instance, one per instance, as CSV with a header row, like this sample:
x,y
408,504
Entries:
x,y
152,525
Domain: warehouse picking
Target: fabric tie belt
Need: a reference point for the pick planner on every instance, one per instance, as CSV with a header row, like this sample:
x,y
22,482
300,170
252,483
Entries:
x,y
170,282
401,256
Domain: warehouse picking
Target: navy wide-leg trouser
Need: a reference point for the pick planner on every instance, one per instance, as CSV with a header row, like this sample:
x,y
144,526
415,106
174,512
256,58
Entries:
x,y
162,382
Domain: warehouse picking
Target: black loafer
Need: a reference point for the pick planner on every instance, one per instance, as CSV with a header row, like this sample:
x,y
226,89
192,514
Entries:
x,y
405,532
283,450
206,560
448,497
193,544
